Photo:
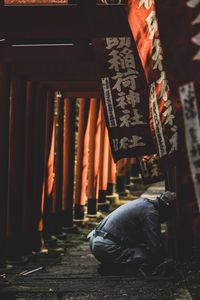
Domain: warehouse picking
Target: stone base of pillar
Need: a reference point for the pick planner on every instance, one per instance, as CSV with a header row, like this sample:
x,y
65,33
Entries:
x,y
67,218
23,244
96,218
104,206
81,222
102,196
79,212
52,224
120,184
111,187
114,198
124,194
56,223
92,206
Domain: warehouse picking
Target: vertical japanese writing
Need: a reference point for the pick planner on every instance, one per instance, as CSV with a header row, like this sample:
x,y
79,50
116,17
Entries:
x,y
196,38
160,88
127,142
125,96
157,122
150,168
192,133
147,3
122,63
123,83
109,102
152,24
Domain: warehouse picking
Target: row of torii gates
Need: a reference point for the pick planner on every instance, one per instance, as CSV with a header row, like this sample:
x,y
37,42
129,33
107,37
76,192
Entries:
x,y
54,156
47,65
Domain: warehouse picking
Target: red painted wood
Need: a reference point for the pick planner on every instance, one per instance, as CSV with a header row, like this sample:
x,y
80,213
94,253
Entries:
x,y
82,158
94,148
68,160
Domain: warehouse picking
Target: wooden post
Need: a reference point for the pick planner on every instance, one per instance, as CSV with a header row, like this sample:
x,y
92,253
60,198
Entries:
x,y
184,230
4,138
68,160
173,225
30,234
57,194
103,167
128,173
48,182
38,163
135,171
111,175
82,159
15,240
93,162
121,177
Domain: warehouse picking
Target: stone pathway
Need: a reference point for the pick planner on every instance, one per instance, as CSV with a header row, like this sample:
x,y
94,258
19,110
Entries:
x,y
69,272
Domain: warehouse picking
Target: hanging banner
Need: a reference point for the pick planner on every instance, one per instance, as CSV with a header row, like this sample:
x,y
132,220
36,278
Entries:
x,y
179,26
150,169
192,132
144,27
124,96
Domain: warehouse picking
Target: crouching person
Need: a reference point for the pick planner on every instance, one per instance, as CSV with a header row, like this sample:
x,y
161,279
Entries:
x,y
129,238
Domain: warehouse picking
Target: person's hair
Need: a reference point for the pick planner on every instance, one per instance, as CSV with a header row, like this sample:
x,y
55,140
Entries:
x,y
167,204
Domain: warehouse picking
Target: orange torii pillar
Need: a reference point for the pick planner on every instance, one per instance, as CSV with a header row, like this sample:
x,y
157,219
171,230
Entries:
x,y
121,177
93,161
68,161
4,138
45,225
103,165
82,159
111,175
15,240
57,193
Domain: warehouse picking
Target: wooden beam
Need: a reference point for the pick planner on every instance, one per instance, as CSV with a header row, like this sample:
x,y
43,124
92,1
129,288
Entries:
x,y
85,71
75,89
47,54
56,23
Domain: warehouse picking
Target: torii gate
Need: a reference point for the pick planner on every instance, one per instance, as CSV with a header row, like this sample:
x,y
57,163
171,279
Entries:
x,y
69,56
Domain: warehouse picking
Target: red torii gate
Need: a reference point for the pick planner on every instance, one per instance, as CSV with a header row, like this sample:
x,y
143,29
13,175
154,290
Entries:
x,y
69,22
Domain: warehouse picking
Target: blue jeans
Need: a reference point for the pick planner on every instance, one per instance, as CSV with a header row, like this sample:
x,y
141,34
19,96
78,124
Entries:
x,y
108,251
